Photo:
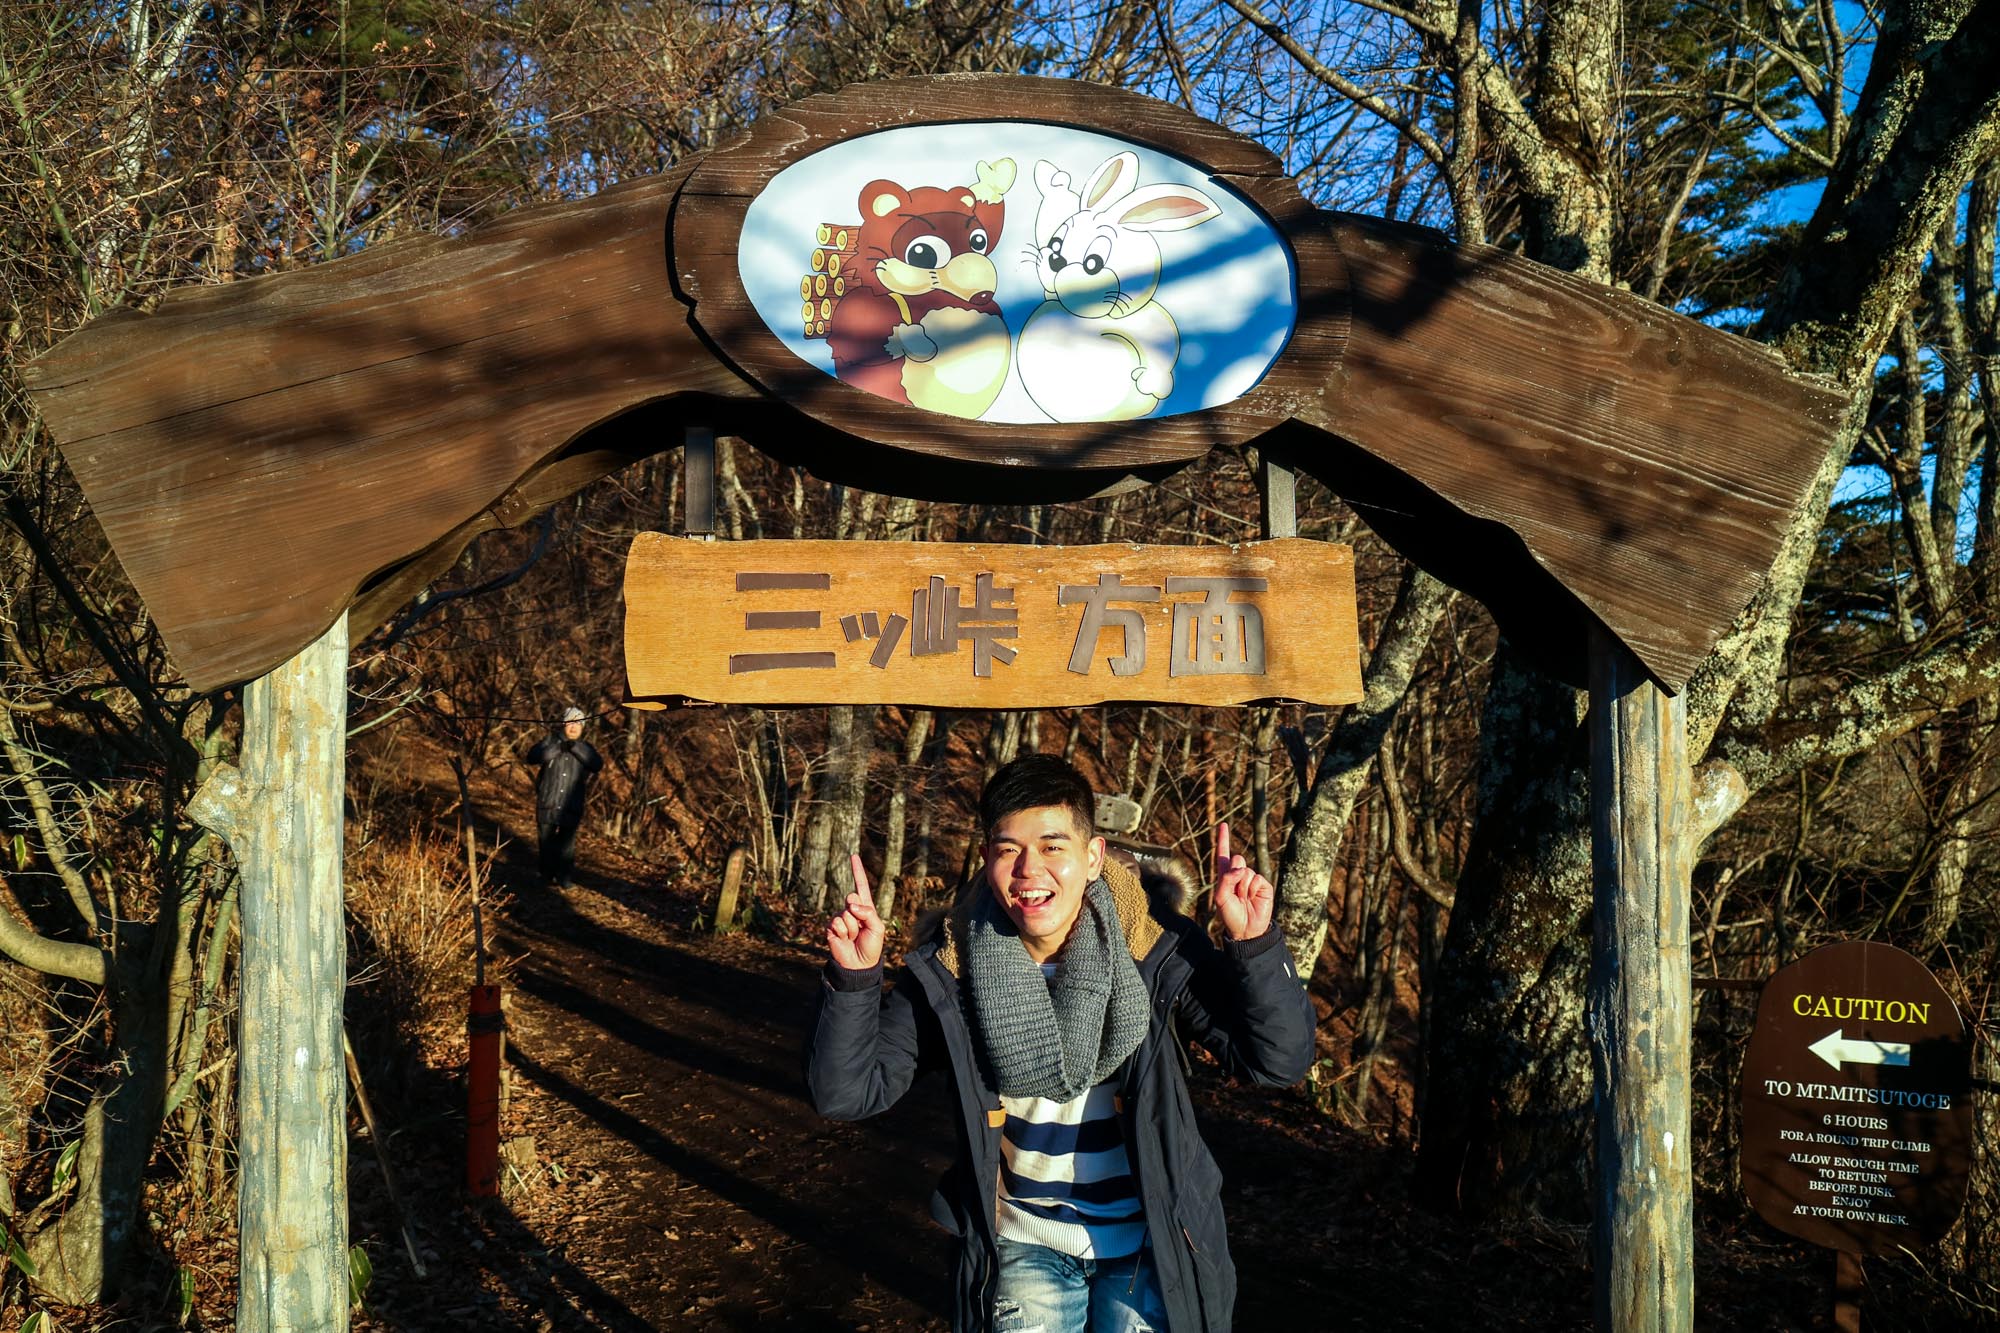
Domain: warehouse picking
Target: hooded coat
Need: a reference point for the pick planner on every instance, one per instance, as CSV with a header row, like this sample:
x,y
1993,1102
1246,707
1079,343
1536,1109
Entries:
x,y
1243,1001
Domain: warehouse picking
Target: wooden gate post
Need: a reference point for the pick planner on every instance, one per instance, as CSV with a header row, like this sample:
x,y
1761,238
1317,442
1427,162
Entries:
x,y
1642,860
282,814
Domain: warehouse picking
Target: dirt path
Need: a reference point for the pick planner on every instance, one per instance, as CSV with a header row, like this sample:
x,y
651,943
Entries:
x,y
669,1069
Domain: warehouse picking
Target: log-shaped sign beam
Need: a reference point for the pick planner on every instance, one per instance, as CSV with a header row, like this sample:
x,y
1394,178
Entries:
x,y
991,286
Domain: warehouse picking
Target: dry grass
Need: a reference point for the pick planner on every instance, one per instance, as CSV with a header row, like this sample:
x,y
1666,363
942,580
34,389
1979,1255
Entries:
x,y
410,942
23,1068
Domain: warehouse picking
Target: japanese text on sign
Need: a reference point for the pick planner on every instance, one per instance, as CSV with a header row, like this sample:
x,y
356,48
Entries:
x,y
979,625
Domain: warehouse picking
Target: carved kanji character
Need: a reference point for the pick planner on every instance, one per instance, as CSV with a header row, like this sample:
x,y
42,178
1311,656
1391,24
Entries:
x,y
1215,636
1098,612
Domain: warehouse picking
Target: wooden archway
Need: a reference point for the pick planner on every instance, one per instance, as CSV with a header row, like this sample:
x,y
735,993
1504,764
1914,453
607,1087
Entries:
x,y
308,450
1564,451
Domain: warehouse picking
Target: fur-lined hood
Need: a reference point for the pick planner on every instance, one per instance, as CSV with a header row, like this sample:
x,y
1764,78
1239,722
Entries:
x,y
1134,896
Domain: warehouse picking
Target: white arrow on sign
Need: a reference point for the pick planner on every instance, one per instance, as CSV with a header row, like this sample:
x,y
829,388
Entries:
x,y
1833,1049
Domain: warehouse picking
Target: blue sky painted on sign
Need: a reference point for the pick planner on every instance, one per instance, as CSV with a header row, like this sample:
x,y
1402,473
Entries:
x,y
1228,283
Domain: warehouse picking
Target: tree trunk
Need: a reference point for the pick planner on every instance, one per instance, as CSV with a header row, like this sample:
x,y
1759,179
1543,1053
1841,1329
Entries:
x,y
1507,1124
816,846
920,859
1130,784
916,732
1980,1226
1003,742
1380,947
1963,790
764,833
1430,948
1312,846
847,797
1263,740
78,1257
13,1142
775,792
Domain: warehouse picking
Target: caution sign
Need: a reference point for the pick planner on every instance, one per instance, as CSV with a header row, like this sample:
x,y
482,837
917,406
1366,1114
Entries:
x,y
1857,1114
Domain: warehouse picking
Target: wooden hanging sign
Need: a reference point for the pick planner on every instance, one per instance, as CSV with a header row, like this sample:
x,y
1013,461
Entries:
x,y
953,625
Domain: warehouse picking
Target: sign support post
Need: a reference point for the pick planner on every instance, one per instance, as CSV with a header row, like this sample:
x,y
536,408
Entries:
x,y
281,812
1277,491
698,482
1639,1005
1849,1284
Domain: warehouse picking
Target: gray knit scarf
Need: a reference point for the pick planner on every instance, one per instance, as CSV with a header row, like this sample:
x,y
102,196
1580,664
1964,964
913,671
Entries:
x,y
1054,1037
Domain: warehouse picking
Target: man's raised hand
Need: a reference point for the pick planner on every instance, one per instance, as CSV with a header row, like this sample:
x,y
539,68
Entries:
x,y
855,936
1243,898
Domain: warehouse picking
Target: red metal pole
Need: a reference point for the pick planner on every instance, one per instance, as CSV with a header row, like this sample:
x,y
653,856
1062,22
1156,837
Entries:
x,y
482,1098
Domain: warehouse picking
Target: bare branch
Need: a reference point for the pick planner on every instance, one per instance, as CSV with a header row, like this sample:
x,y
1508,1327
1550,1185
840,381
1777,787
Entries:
x,y
1670,225
1906,471
545,525
1777,131
1420,22
1871,711
56,958
1346,87
55,845
1391,776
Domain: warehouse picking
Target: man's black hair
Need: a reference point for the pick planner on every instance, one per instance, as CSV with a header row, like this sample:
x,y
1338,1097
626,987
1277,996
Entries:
x,y
1034,781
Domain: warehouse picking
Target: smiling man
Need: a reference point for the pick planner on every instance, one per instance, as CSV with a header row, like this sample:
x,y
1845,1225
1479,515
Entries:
x,y
1057,993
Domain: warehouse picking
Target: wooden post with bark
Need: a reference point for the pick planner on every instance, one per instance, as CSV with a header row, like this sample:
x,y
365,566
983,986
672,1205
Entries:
x,y
1642,858
281,812
732,885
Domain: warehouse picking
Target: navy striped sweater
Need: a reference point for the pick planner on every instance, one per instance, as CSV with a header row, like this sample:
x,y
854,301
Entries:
x,y
1065,1182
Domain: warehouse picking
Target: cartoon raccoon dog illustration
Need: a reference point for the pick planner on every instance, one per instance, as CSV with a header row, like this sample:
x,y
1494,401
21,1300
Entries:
x,y
917,320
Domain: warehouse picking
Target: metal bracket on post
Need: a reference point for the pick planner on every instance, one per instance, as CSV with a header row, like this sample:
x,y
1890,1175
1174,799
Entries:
x,y
698,482
1277,487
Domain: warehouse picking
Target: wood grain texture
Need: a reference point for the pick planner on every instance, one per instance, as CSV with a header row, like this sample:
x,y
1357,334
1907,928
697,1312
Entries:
x,y
769,622
1648,463
1640,998
263,455
258,453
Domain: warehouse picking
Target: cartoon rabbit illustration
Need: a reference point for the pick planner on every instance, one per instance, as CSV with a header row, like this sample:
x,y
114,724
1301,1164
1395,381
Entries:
x,y
1100,348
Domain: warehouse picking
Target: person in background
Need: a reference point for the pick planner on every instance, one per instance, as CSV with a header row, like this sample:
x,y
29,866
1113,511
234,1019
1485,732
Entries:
x,y
568,764
1057,994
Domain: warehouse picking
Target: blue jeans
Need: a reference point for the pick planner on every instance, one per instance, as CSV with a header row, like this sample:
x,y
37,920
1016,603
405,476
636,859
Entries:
x,y
1039,1290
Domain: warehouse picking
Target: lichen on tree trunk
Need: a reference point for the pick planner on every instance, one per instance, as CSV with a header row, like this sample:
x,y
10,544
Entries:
x,y
1319,822
1507,1108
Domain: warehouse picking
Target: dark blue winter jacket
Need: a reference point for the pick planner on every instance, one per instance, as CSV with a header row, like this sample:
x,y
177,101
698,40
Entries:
x,y
1243,1001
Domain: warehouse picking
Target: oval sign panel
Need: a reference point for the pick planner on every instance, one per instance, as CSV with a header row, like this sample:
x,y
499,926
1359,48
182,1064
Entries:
x,y
1857,1113
1019,273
